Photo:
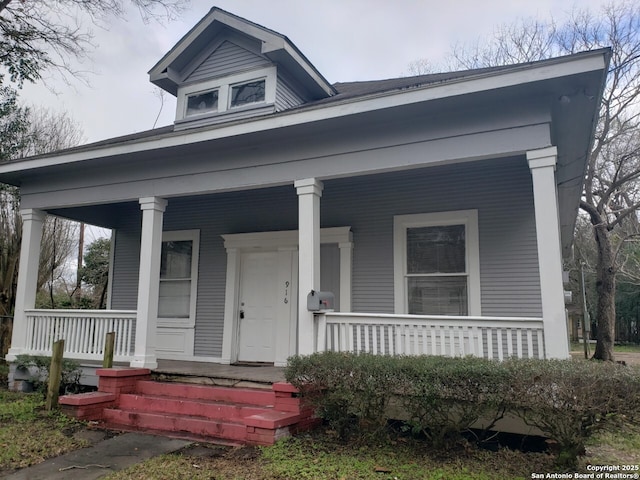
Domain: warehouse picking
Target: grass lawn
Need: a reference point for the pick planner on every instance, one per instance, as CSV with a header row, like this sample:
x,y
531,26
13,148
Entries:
x,y
628,348
321,456
28,434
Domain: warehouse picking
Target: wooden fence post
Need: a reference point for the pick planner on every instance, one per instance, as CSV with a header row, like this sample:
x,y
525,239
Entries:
x,y
109,345
55,375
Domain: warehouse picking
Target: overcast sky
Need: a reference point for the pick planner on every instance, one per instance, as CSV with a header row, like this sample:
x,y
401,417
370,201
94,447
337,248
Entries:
x,y
346,40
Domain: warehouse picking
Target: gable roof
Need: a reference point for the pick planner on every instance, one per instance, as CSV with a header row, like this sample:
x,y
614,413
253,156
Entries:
x,y
167,73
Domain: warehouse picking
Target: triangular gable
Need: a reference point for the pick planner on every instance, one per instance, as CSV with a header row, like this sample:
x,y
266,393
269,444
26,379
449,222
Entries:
x,y
226,59
276,47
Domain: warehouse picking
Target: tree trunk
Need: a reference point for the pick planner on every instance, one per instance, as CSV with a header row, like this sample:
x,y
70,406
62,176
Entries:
x,y
606,290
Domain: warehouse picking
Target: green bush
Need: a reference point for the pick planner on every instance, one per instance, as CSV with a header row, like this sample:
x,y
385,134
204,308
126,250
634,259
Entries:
x,y
441,398
350,392
570,400
444,397
40,365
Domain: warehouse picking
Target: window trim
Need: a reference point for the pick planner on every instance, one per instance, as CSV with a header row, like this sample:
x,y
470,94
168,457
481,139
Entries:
x,y
193,236
468,218
223,85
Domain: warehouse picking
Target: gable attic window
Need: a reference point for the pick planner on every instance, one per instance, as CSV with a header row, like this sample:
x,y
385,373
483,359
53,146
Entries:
x,y
215,97
200,103
247,93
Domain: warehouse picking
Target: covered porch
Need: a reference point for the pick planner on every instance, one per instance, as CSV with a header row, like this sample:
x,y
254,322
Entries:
x,y
357,325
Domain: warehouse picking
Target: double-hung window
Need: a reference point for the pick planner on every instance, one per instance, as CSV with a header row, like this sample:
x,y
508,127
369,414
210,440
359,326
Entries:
x,y
178,277
436,263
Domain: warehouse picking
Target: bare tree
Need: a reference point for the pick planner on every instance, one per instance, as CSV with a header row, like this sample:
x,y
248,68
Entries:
x,y
37,36
33,132
611,196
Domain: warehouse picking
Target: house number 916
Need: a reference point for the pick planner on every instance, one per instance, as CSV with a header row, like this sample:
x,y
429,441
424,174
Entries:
x,y
286,292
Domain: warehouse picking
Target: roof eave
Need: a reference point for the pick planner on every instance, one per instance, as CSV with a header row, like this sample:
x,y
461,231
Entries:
x,y
466,85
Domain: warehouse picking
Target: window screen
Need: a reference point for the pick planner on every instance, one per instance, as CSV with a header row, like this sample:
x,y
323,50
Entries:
x,y
175,279
436,270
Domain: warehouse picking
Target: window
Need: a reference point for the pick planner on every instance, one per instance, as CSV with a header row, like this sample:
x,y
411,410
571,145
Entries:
x,y
202,103
247,93
178,276
436,264
217,96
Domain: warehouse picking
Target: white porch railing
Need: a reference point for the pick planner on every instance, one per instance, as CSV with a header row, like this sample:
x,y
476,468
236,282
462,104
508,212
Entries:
x,y
489,337
83,332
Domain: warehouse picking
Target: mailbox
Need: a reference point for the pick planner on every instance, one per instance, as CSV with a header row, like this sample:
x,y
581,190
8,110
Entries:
x,y
317,301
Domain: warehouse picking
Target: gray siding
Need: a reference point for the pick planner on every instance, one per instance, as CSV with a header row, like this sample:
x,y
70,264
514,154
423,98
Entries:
x,y
227,59
224,117
260,210
330,271
124,292
286,97
500,190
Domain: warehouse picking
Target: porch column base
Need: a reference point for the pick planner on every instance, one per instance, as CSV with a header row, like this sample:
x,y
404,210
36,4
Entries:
x,y
144,361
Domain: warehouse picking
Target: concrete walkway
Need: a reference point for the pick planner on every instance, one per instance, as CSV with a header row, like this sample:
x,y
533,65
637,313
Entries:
x,y
101,459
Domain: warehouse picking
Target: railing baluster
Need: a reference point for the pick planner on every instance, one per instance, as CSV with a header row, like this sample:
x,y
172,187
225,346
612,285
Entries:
x,y
540,344
499,341
490,343
529,344
510,342
452,341
365,332
519,344
374,338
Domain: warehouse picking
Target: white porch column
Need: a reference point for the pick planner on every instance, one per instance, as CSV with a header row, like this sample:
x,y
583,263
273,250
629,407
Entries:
x,y
148,282
542,164
32,222
309,192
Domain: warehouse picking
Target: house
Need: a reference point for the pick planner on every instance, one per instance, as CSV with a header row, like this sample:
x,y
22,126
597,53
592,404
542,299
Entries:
x,y
437,209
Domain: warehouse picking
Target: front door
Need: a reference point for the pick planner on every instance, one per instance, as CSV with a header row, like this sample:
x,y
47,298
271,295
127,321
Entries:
x,y
257,307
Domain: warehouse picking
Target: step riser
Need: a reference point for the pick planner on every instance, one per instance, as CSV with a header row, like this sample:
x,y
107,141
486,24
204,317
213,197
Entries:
x,y
187,407
207,392
168,423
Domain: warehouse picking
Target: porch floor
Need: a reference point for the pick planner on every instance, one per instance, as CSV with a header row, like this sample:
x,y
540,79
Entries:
x,y
256,376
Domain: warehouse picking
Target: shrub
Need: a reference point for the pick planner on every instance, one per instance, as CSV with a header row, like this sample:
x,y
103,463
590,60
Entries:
x,y
443,397
570,400
39,366
350,392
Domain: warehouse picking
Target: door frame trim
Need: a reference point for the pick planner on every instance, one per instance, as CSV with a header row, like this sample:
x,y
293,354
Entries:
x,y
286,244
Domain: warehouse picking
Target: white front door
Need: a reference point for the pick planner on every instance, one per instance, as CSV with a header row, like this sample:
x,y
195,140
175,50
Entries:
x,y
257,307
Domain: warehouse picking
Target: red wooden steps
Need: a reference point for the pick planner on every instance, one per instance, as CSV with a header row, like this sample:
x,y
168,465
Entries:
x,y
127,399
